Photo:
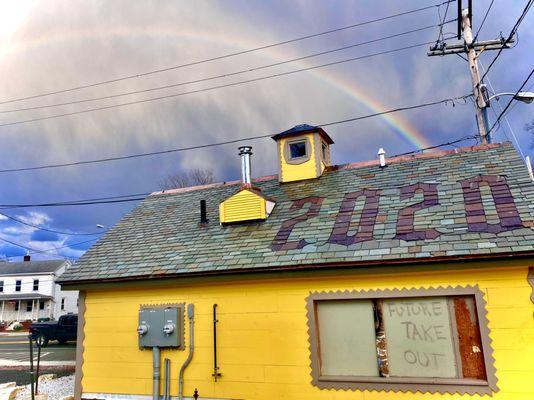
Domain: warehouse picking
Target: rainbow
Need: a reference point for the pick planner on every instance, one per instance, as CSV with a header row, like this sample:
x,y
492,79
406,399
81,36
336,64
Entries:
x,y
399,125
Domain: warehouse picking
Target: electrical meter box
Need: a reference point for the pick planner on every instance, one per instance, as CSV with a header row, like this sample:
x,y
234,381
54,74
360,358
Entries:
x,y
161,326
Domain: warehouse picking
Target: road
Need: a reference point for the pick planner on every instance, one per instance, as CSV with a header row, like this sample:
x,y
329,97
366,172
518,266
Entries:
x,y
14,350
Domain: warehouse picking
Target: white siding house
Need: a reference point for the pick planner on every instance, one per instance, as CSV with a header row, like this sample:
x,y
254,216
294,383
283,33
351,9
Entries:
x,y
28,291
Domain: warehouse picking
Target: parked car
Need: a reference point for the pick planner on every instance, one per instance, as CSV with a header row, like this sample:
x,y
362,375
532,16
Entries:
x,y
62,330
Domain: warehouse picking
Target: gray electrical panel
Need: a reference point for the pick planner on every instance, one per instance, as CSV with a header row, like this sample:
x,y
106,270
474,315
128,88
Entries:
x,y
161,326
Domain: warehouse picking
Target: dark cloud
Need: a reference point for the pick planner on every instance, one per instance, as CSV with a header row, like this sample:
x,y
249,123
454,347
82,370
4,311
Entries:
x,y
59,44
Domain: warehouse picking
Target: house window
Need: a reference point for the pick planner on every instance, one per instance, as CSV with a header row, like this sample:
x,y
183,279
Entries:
x,y
35,285
297,151
63,304
1,286
41,305
420,340
18,285
17,305
29,306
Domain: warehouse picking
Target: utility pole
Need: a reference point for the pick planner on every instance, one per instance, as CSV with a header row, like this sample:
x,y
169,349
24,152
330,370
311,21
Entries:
x,y
472,50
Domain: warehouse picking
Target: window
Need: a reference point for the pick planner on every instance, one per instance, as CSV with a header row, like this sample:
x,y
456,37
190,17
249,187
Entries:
x,y
429,340
29,306
63,304
35,285
18,285
17,305
41,305
1,286
297,151
324,151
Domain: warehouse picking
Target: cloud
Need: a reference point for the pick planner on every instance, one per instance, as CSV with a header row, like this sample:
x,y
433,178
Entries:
x,y
61,44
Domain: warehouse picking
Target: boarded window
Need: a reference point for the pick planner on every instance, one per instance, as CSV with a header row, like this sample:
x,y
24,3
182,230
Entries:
x,y
419,338
347,333
370,340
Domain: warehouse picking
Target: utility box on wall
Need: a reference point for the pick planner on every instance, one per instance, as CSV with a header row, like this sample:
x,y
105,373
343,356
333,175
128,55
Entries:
x,y
161,326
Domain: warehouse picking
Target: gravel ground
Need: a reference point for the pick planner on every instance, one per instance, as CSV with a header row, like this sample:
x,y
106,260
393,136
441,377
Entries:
x,y
56,388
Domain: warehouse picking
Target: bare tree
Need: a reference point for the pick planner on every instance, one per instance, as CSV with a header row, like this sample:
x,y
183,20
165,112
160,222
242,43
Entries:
x,y
193,177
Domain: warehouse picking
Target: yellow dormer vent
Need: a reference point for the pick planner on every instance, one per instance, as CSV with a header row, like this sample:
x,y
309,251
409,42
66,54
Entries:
x,y
248,204
303,153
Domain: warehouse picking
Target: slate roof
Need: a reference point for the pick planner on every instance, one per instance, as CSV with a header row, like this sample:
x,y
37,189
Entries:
x,y
30,267
24,296
478,201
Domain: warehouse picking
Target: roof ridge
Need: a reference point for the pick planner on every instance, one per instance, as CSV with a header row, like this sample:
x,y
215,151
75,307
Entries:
x,y
352,165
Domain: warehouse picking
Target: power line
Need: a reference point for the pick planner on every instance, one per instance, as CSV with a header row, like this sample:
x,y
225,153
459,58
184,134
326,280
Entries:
x,y
511,101
193,63
226,75
462,139
177,150
47,229
215,87
510,36
442,22
483,20
34,251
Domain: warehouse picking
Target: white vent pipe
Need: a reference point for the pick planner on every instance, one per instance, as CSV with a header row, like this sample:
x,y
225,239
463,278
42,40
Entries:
x,y
245,152
381,157
529,167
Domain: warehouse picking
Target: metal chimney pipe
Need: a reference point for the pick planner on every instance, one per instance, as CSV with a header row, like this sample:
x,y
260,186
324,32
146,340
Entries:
x,y
381,157
245,152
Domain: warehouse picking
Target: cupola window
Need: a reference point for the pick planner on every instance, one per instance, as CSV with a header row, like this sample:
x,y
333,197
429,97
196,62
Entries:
x,y
297,151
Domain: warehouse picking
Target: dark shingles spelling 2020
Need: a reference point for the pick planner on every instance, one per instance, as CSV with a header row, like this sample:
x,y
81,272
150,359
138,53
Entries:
x,y
162,236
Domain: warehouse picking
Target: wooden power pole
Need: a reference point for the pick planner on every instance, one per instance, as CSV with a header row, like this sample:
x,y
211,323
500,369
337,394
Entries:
x,y
473,50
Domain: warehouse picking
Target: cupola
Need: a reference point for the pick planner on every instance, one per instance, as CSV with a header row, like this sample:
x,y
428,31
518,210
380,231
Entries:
x,y
248,203
303,152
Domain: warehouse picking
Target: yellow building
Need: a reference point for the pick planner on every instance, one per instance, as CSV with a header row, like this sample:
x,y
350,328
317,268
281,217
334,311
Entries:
x,y
408,280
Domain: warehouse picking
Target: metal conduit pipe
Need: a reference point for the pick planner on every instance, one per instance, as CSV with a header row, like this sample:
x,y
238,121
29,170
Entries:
x,y
156,375
191,317
167,377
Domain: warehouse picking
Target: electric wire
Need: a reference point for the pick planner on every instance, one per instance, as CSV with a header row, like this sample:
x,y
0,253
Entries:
x,y
174,95
20,221
232,141
462,139
442,23
226,75
510,102
483,20
193,63
39,251
510,36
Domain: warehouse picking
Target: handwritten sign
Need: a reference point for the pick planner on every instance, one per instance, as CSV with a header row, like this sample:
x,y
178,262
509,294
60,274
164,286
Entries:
x,y
419,338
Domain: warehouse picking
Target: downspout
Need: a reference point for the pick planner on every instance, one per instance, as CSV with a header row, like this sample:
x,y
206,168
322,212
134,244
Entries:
x,y
191,317
156,375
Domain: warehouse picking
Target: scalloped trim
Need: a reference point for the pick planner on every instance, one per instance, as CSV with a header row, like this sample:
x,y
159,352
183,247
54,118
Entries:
x,y
426,385
530,280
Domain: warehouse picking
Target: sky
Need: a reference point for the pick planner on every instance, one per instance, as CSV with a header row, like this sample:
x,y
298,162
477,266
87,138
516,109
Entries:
x,y
48,46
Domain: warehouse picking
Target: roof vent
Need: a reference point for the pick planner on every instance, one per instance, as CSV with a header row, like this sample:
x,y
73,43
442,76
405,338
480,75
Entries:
x,y
381,157
245,152
27,257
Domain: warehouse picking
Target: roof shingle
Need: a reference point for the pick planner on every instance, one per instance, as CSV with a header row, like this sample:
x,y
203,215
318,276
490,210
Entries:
x,y
467,202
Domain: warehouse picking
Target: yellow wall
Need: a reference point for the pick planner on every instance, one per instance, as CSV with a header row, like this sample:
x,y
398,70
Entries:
x,y
242,206
263,340
297,172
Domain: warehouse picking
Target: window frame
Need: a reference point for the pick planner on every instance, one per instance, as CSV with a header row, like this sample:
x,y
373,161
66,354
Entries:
x,y
62,303
297,160
35,285
408,384
1,286
29,306
42,305
18,285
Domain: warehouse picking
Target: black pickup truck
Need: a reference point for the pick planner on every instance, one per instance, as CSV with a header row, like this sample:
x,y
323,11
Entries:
x,y
62,330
